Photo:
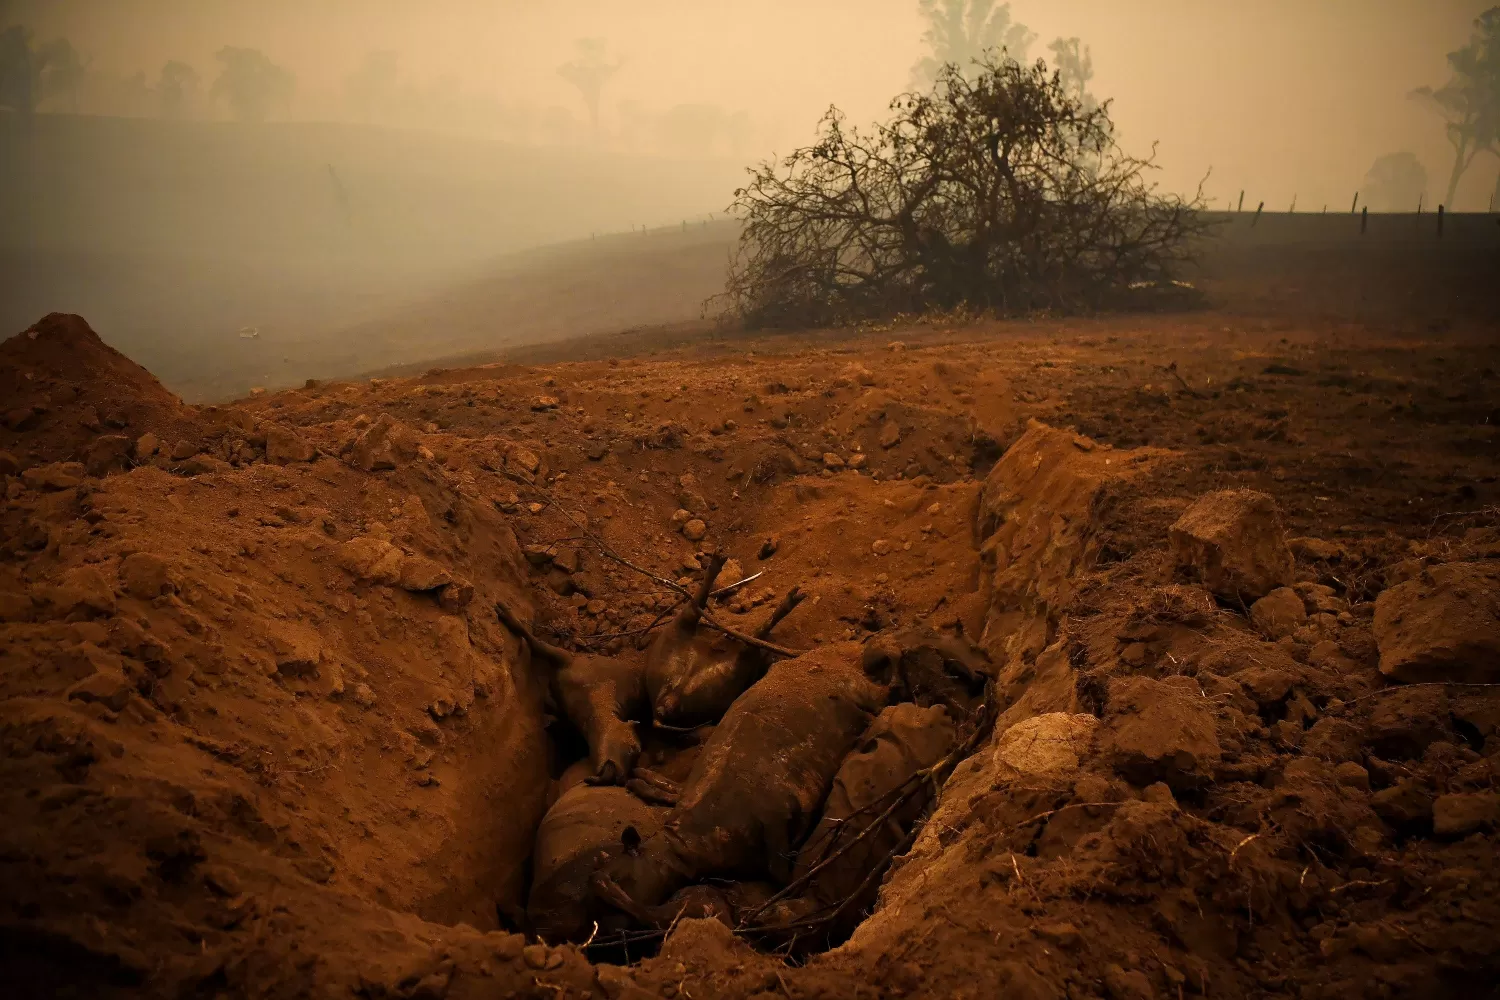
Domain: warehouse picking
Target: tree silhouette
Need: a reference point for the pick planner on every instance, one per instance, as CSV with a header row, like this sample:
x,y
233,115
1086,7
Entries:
x,y
1074,63
371,89
1470,100
589,73
1396,182
251,83
995,190
959,32
178,88
20,71
62,70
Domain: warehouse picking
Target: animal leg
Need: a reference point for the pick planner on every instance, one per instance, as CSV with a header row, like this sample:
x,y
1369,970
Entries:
x,y
789,603
710,574
555,654
648,786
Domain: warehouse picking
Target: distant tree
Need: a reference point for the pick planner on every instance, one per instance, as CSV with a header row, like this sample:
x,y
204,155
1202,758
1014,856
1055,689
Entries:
x,y
371,90
20,71
1470,100
62,71
995,190
959,32
251,83
1074,63
589,73
1396,183
178,89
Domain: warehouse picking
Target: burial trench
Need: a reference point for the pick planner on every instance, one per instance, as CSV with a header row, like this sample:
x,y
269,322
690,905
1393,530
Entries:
x,y
792,855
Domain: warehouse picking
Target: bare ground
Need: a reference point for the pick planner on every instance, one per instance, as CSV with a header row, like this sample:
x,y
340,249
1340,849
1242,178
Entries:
x,y
236,763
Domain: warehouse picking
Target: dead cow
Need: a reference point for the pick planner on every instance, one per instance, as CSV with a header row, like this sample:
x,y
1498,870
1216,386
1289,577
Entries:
x,y
599,695
584,827
753,792
929,668
693,675
837,873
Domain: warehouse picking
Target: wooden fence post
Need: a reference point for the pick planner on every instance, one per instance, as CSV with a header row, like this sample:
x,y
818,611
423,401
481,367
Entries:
x,y
1354,204
1242,202
1364,219
1257,214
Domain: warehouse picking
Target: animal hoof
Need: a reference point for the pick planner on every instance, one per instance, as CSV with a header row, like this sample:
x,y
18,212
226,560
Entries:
x,y
648,786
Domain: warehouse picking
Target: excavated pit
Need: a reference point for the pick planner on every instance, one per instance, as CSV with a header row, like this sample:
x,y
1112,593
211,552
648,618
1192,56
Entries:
x,y
264,735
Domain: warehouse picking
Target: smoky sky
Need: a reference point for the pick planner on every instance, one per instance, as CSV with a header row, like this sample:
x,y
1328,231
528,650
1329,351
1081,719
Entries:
x,y
1281,98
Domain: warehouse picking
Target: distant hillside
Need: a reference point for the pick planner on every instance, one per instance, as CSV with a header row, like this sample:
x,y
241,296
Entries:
x,y
171,236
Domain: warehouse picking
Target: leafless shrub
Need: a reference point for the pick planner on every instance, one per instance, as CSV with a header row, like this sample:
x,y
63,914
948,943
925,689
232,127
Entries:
x,y
995,191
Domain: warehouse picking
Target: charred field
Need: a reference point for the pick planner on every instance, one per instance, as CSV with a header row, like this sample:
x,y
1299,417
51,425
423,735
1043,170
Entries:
x,y
1233,577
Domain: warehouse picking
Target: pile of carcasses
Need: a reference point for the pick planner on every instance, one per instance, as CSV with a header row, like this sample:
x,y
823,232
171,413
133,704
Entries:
x,y
722,784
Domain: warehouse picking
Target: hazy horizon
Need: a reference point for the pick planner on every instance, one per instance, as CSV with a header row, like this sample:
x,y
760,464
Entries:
x,y
1281,99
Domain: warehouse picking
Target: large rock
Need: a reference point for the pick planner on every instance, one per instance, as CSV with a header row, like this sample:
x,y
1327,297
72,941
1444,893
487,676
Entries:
x,y
1234,542
384,445
1160,731
1443,625
285,446
1050,745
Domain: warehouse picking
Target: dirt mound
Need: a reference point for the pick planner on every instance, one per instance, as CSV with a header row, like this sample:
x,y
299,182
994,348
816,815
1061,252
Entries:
x,y
261,733
65,390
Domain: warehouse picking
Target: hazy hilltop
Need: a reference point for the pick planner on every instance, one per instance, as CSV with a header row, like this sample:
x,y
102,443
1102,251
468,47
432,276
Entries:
x,y
174,235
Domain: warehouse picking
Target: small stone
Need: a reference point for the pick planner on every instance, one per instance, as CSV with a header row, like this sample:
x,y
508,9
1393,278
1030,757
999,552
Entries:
x,y
108,687
1461,814
83,588
455,596
596,607
1404,805
1351,775
535,508
890,434
106,453
1314,549
145,575
769,546
681,516
1123,985
732,572
881,547
568,560
832,462
363,695
1063,935
1280,613
535,955
694,530
284,446
420,574
539,555
858,460
544,403
1159,793
55,476
146,446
